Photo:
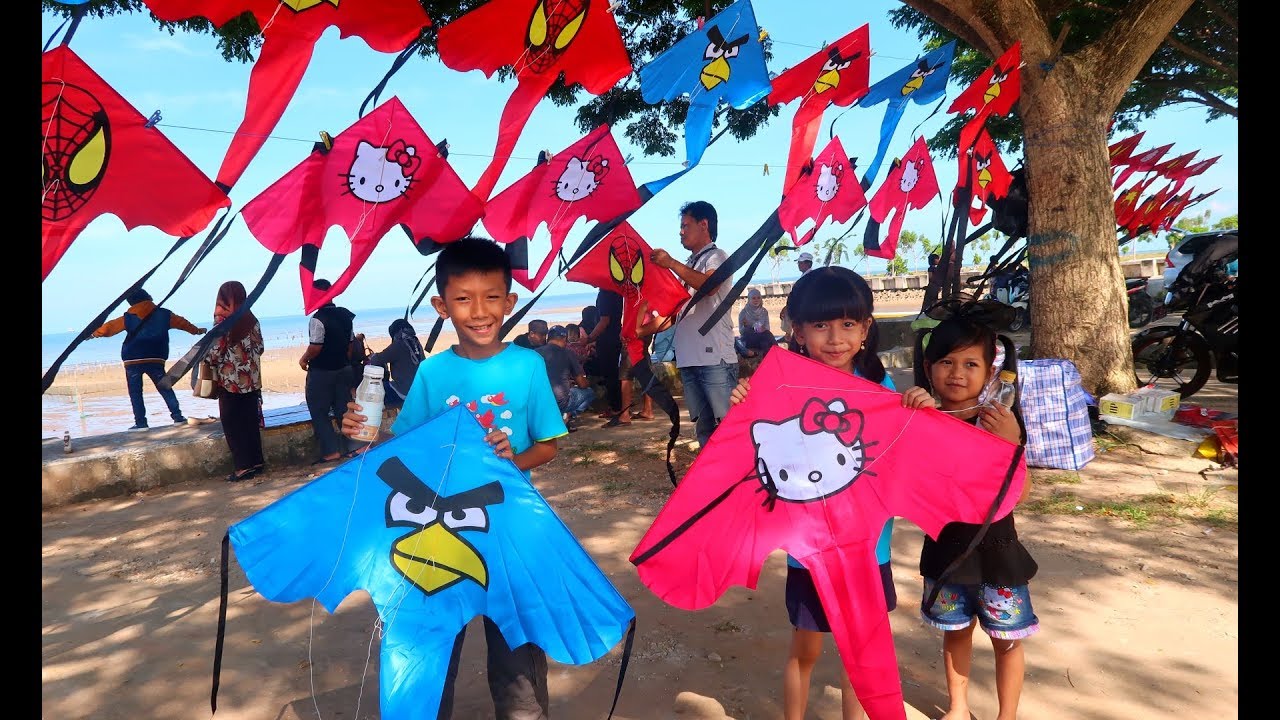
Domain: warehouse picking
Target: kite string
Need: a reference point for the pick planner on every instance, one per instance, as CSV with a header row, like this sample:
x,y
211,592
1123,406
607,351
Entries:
x,y
272,19
44,142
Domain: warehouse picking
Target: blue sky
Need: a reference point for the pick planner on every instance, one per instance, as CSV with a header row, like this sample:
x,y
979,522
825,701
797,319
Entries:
x,y
201,97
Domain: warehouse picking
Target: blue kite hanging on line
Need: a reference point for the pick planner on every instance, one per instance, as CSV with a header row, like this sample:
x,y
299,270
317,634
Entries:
x,y
921,81
724,59
437,529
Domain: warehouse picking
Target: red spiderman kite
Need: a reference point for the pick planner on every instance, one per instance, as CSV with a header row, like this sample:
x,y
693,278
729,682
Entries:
x,y
813,462
829,189
290,29
984,173
98,156
620,262
994,92
382,171
835,75
587,179
910,184
541,39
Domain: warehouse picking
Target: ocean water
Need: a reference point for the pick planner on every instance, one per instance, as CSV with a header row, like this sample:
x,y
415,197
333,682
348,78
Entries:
x,y
291,330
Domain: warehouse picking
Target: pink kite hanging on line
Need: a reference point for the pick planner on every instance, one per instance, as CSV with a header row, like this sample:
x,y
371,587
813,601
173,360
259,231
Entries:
x,y
381,172
588,179
910,184
827,189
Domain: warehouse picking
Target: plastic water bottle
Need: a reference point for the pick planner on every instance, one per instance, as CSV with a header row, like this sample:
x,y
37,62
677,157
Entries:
x,y
1008,389
66,441
369,396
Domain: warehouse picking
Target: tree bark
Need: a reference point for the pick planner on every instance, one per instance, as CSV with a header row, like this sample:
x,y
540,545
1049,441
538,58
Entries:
x,y
1078,303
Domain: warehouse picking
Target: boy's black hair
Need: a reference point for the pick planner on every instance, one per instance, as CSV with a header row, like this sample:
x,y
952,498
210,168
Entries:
x,y
701,210
834,292
958,331
321,284
471,254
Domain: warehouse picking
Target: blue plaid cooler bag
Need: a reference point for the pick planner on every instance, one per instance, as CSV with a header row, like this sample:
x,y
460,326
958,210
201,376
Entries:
x,y
1055,409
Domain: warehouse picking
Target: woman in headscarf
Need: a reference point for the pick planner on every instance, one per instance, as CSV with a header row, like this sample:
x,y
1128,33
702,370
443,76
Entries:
x,y
401,358
753,325
236,359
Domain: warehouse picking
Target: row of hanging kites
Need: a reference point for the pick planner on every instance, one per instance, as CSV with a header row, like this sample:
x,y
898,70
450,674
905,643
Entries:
x,y
100,155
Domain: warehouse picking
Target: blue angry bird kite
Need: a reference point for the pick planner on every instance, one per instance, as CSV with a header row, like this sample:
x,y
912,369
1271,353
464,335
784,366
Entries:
x,y
922,81
437,529
722,60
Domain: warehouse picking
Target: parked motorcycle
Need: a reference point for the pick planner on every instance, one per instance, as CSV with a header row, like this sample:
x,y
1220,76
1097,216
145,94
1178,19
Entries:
x,y
1143,309
1208,335
1013,288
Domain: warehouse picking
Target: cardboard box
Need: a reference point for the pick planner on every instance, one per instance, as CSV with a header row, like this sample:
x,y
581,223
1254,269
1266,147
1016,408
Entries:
x,y
1120,405
1162,403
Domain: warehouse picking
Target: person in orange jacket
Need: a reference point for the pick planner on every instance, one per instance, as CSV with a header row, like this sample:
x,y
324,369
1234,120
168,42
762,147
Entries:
x,y
146,349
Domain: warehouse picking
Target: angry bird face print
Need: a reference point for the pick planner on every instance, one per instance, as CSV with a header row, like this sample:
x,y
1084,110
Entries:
x,y
379,174
812,456
435,554
829,79
718,53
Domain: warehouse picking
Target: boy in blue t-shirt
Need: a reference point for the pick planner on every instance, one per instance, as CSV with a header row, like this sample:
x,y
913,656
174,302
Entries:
x,y
506,387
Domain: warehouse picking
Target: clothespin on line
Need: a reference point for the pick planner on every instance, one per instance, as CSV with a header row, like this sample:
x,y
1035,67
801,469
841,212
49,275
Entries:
x,y
151,121
764,35
766,168
327,140
701,21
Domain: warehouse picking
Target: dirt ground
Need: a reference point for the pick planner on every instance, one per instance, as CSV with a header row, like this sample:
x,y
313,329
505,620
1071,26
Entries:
x,y
1136,595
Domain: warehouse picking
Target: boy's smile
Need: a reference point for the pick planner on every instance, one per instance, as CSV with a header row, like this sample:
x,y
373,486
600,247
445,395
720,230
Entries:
x,y
476,302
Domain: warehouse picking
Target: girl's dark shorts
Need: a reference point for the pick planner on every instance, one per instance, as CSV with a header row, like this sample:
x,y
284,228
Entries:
x,y
805,609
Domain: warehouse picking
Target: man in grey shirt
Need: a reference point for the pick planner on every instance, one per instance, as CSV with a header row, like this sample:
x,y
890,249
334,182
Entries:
x,y
708,363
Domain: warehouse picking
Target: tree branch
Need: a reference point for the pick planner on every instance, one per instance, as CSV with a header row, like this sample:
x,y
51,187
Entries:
x,y
1201,58
1206,98
955,17
1122,51
1222,15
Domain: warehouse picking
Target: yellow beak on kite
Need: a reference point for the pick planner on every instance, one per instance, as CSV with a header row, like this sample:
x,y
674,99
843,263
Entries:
x,y
300,5
434,558
984,177
828,80
991,94
714,73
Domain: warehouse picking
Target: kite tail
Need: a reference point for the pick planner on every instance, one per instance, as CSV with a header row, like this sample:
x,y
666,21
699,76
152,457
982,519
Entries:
x,y
697,137
272,83
892,114
622,668
654,388
804,134
222,624
514,116
755,247
852,594
197,351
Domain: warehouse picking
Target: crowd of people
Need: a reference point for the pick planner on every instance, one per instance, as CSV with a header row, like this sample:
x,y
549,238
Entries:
x,y
543,376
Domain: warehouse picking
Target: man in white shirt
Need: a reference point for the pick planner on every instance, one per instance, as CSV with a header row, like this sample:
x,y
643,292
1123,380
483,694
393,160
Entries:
x,y
708,363
805,263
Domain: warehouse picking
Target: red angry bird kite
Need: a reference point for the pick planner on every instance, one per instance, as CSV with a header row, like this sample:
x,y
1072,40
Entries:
x,y
835,75
98,156
994,92
620,262
814,461
829,189
540,39
587,179
290,29
381,172
984,173
909,185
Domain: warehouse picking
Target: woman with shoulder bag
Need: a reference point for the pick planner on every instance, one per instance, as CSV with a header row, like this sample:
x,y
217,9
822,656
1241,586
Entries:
x,y
236,361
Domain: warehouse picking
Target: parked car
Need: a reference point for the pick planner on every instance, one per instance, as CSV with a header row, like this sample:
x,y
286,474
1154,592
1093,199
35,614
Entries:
x,y
1186,250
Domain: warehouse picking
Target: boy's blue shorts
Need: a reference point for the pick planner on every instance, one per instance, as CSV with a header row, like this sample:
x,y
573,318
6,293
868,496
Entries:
x,y
1003,612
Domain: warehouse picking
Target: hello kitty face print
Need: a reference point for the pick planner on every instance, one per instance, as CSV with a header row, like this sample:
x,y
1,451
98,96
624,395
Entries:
x,y
379,174
580,178
828,183
812,456
910,175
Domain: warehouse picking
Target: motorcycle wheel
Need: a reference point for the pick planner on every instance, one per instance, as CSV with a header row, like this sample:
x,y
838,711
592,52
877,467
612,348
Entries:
x,y
1184,362
1141,310
1019,321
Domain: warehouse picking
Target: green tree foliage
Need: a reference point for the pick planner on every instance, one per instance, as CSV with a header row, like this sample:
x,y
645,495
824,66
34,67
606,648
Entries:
x,y
835,249
648,27
1230,222
896,266
1198,64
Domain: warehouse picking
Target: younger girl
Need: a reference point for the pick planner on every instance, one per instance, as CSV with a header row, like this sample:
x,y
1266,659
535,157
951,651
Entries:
x,y
991,582
830,311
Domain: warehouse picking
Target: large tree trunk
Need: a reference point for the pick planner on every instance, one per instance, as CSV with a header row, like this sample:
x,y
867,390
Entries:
x,y
1078,304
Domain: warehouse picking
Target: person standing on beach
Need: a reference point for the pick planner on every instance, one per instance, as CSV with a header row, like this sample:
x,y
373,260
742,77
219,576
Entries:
x,y
327,362
145,350
708,363
236,359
